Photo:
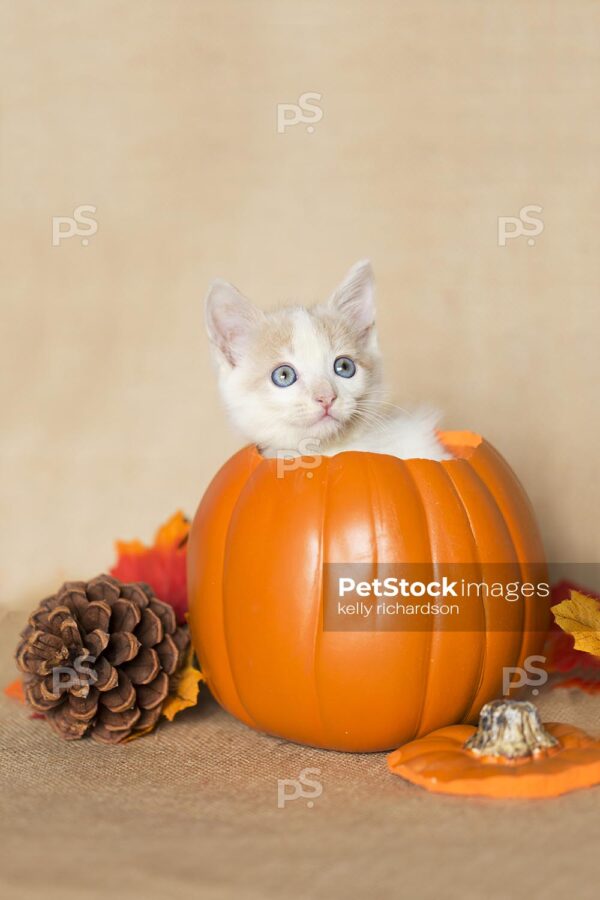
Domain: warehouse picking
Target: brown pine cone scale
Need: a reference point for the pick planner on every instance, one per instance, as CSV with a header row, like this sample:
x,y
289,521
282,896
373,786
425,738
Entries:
x,y
99,658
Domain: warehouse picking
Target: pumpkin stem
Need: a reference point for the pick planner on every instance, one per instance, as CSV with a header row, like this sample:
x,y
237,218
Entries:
x,y
510,730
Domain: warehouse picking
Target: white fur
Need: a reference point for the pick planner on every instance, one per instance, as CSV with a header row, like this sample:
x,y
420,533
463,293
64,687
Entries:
x,y
249,344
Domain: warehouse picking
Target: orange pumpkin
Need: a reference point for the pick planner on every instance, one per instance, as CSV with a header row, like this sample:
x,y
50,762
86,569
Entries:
x,y
256,558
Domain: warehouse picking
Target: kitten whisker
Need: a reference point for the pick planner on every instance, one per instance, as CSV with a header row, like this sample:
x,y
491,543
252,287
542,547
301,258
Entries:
x,y
374,410
381,400
373,420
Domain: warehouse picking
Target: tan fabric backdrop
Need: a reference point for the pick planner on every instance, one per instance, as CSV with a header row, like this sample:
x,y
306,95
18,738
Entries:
x,y
433,119
192,812
436,119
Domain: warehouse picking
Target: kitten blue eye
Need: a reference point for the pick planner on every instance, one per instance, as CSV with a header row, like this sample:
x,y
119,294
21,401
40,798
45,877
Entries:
x,y
344,367
283,376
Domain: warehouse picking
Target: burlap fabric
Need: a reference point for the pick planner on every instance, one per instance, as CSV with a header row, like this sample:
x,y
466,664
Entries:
x,y
191,811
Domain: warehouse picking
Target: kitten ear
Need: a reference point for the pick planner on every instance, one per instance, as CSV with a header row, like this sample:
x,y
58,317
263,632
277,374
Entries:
x,y
230,318
355,296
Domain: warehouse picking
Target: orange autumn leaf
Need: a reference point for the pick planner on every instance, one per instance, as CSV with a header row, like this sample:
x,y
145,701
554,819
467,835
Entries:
x,y
161,565
15,690
174,532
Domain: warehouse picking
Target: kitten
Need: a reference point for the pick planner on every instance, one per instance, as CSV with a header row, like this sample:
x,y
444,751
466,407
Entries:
x,y
304,381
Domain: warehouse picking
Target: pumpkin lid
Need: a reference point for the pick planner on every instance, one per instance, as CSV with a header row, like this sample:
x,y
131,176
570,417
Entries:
x,y
509,754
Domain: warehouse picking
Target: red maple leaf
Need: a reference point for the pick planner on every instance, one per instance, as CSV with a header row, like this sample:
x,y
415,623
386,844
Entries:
x,y
162,565
590,687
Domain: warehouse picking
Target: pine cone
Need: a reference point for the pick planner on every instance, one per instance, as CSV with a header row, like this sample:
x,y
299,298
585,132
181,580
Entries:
x,y
99,658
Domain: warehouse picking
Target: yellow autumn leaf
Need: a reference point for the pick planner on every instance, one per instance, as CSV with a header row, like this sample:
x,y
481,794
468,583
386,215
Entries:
x,y
580,616
138,734
186,692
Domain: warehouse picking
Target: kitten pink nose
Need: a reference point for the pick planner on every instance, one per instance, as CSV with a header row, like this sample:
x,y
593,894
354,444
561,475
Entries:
x,y
326,400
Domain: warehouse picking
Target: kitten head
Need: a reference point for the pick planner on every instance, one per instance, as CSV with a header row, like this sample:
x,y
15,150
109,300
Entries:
x,y
297,375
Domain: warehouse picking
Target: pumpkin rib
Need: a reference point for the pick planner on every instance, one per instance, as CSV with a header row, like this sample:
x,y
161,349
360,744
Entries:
x,y
318,634
317,642
515,506
249,486
376,492
374,512
445,509
391,484
517,556
429,634
473,708
512,534
475,549
301,509
248,460
227,550
448,469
